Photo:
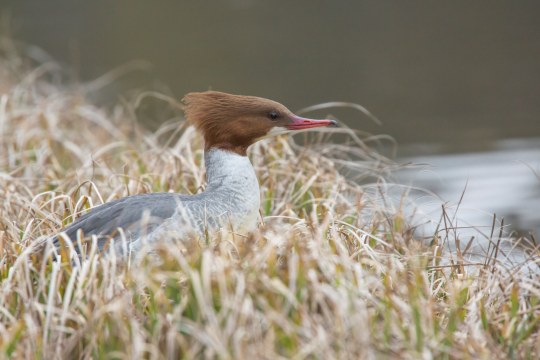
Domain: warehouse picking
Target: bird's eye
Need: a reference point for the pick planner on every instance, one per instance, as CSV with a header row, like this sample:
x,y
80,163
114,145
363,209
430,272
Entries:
x,y
273,115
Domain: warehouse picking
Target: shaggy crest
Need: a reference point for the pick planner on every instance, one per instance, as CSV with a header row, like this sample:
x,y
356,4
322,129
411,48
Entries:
x,y
231,122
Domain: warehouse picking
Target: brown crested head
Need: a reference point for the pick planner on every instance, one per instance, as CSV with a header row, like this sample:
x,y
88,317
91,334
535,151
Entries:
x,y
234,122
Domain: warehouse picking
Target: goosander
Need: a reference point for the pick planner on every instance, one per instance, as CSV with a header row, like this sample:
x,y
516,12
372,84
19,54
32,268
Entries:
x,y
229,125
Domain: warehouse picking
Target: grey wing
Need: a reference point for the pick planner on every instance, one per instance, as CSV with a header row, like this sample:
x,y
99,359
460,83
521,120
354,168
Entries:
x,y
134,214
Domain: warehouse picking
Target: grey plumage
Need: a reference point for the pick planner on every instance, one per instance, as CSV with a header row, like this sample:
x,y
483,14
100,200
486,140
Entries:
x,y
126,213
231,199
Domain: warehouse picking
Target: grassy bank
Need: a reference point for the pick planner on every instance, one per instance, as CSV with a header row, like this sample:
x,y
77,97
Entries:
x,y
332,272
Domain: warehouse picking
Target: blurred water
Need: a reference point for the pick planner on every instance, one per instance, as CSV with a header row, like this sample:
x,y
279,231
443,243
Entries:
x,y
504,181
462,72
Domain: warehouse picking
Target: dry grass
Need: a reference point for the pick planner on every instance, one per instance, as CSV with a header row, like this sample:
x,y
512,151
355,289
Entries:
x,y
332,273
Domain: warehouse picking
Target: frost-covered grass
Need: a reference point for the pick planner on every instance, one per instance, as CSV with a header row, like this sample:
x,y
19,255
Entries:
x,y
333,272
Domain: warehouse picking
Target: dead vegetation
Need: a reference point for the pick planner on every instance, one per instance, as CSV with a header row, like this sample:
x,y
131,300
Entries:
x,y
332,273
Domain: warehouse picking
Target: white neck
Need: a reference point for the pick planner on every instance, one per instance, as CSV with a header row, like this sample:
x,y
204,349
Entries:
x,y
233,186
231,198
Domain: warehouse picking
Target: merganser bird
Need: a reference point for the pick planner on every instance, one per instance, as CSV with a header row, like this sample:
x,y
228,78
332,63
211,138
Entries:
x,y
229,124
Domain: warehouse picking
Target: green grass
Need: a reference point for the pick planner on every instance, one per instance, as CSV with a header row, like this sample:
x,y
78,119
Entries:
x,y
331,273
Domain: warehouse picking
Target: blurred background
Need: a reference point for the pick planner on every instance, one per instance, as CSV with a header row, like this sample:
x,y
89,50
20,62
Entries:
x,y
456,83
